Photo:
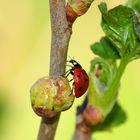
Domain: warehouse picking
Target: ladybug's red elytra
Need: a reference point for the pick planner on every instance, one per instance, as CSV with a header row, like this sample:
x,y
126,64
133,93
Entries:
x,y
80,77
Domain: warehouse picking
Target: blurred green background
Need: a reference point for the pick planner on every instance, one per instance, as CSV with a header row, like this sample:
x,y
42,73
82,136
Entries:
x,y
24,57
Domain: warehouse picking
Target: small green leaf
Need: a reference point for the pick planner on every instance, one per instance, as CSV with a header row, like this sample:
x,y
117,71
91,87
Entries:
x,y
103,7
115,118
122,27
105,49
101,76
135,4
136,25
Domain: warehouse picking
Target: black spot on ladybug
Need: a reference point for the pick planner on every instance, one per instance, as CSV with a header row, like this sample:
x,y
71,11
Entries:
x,y
78,76
86,79
80,88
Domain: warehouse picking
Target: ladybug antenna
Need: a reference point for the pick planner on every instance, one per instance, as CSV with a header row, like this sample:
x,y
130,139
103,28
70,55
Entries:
x,y
68,65
69,62
70,58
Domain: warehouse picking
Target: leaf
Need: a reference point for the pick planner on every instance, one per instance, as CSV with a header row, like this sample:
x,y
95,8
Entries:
x,y
135,4
105,49
122,27
101,76
136,25
115,118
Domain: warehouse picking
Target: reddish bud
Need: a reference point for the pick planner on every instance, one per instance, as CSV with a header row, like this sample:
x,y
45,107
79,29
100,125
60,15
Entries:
x,y
76,8
93,116
71,14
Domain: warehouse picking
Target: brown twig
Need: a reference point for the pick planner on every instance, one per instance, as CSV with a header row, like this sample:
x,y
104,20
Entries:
x,y
59,46
82,130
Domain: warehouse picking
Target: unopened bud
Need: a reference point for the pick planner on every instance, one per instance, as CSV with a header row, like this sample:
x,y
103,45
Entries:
x,y
50,95
93,115
76,8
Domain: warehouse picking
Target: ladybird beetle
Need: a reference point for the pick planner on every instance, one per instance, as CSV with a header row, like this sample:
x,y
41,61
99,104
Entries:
x,y
80,78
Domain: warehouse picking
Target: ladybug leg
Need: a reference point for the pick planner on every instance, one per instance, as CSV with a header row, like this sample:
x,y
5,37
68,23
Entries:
x,y
73,84
71,80
67,73
70,71
72,87
72,90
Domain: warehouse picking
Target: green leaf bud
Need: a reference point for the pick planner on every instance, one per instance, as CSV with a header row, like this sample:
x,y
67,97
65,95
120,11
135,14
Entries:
x,y
50,95
102,74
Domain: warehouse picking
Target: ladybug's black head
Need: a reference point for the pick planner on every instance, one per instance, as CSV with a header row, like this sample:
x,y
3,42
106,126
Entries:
x,y
75,63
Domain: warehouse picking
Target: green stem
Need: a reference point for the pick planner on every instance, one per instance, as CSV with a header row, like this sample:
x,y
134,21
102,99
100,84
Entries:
x,y
109,97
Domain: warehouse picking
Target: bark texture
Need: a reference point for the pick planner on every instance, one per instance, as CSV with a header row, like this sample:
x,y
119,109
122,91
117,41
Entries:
x,y
59,46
